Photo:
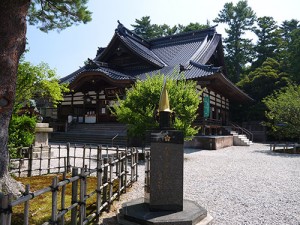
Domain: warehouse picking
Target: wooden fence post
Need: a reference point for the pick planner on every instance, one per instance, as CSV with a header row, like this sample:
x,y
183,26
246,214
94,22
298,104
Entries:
x,y
82,208
54,190
26,205
4,208
111,184
29,172
83,157
126,168
123,173
105,173
63,199
74,197
68,158
9,208
132,171
136,163
99,186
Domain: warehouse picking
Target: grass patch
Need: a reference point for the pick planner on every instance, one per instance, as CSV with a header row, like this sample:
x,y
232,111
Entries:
x,y
40,207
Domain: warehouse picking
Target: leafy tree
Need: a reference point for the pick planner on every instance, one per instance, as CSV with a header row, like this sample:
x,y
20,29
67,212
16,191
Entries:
x,y
283,112
38,82
294,55
261,82
47,15
269,40
239,18
146,30
192,27
137,110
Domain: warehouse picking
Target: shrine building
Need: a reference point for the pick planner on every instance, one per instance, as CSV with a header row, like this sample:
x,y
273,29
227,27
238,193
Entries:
x,y
128,57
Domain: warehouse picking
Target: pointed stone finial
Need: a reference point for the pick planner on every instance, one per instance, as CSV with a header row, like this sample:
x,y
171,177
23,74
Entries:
x,y
164,105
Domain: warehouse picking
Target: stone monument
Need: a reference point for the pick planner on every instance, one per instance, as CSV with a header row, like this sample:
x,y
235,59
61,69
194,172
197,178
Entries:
x,y
163,201
41,139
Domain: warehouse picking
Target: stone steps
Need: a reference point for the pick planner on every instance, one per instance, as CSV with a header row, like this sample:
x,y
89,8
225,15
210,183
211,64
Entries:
x,y
93,134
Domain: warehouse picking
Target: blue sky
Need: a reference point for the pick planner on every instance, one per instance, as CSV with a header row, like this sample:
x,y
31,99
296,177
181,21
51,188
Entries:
x,y
66,51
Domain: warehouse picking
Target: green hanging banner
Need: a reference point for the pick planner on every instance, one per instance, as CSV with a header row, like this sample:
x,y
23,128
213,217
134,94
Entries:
x,y
206,103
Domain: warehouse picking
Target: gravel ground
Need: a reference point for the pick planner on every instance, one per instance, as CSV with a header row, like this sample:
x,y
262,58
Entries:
x,y
237,185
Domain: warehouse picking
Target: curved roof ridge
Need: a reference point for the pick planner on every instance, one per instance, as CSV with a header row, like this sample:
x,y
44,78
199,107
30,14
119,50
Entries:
x,y
121,29
208,49
206,67
200,50
155,59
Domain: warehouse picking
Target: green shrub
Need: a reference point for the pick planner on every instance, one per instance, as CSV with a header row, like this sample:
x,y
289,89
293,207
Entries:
x,y
21,133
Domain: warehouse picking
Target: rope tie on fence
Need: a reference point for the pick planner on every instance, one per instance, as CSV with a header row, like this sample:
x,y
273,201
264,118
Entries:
x,y
54,189
8,210
81,203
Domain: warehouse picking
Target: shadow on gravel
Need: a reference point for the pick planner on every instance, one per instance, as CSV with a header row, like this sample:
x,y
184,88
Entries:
x,y
110,221
277,154
193,150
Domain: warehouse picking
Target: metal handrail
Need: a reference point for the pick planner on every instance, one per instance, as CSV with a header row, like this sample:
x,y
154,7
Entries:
x,y
112,140
244,130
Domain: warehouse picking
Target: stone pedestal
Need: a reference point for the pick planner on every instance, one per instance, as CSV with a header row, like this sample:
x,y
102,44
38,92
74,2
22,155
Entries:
x,y
166,176
163,203
41,139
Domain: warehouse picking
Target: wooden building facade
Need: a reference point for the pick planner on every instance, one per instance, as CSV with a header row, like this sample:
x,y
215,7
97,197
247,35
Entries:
x,y
128,57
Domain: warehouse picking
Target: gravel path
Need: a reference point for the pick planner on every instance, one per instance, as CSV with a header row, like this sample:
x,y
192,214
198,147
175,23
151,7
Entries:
x,y
237,185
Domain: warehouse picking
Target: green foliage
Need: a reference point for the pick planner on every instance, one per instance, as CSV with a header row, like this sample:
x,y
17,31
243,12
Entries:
x,y
57,14
137,110
21,133
38,82
260,83
284,112
269,40
294,55
146,30
264,80
239,51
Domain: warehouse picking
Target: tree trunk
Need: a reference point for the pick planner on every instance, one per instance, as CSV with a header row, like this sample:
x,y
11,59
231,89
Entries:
x,y
12,44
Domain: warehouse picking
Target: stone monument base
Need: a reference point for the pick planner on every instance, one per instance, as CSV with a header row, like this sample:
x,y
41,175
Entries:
x,y
37,153
138,212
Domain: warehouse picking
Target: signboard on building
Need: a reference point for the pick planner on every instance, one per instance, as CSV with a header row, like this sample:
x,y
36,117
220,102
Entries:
x,y
206,104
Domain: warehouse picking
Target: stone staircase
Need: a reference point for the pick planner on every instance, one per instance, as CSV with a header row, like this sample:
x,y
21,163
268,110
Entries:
x,y
238,139
100,134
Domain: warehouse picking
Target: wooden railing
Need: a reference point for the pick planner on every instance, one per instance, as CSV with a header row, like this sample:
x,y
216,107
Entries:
x,y
242,130
114,173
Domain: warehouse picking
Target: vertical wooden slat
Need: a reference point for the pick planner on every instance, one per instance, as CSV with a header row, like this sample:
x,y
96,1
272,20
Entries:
x,y
74,155
119,164
83,157
59,157
74,196
111,164
54,200
49,159
136,163
90,157
41,159
68,158
30,161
